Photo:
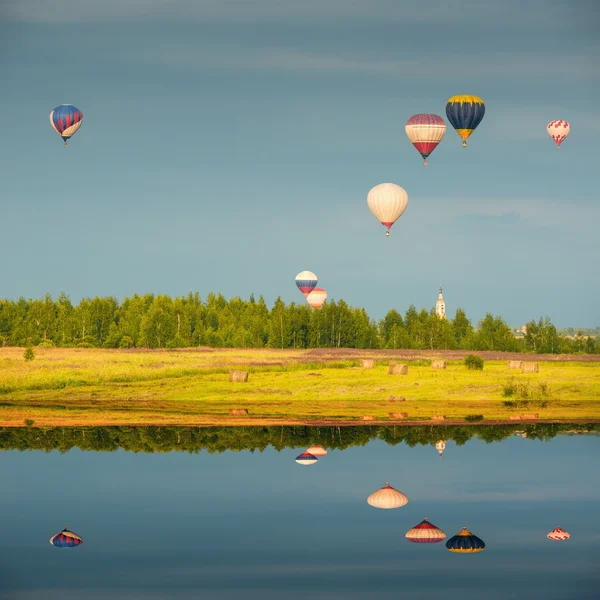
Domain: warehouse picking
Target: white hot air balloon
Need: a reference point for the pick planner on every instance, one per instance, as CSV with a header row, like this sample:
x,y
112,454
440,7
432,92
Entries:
x,y
317,451
316,298
387,497
387,202
558,131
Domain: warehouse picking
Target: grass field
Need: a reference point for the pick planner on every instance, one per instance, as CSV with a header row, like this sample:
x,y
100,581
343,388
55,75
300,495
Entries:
x,y
64,387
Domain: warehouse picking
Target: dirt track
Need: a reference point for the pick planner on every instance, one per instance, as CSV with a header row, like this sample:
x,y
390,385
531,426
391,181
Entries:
x,y
353,353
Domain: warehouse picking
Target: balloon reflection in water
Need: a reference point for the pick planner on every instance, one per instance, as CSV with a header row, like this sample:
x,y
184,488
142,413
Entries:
x,y
425,533
66,539
440,447
306,458
387,497
465,542
559,535
317,451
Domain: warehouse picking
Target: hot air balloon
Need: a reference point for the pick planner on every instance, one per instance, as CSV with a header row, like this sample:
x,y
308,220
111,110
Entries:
x,y
559,535
425,132
66,539
464,113
425,533
317,298
387,202
387,497
66,119
440,447
306,459
317,451
558,131
306,282
465,542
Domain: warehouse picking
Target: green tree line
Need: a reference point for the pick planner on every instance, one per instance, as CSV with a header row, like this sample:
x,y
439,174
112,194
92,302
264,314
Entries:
x,y
159,321
221,439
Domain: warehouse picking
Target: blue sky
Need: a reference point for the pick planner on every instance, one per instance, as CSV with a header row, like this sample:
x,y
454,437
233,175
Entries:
x,y
226,146
258,525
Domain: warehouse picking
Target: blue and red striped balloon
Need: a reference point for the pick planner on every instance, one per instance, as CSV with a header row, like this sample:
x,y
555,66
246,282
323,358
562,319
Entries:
x,y
66,539
66,119
306,282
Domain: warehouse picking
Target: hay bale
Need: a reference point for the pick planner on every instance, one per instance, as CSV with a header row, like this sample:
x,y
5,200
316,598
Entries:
x,y
515,364
530,416
238,375
396,398
367,418
398,415
438,364
367,363
397,369
514,418
238,411
438,418
530,367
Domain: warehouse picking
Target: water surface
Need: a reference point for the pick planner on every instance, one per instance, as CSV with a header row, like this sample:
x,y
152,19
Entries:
x,y
254,524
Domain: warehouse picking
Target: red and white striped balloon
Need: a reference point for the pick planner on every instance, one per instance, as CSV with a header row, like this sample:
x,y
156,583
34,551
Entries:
x,y
317,298
425,132
558,131
558,535
317,451
425,533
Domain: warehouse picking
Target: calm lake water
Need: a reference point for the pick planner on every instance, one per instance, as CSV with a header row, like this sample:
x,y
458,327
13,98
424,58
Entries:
x,y
256,525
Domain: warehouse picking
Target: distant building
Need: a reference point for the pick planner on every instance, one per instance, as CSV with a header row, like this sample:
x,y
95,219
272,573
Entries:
x,y
521,332
440,306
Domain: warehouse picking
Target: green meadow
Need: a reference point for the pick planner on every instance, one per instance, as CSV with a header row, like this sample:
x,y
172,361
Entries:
x,y
76,387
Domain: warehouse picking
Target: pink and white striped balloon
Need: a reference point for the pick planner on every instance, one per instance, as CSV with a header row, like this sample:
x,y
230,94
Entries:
x,y
559,535
558,131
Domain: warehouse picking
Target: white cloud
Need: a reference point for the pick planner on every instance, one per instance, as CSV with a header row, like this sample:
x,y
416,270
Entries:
x,y
568,67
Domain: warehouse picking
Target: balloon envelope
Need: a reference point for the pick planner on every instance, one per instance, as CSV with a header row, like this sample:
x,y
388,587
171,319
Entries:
x,y
558,131
387,202
559,535
66,119
317,451
66,539
440,447
306,459
387,497
464,113
425,533
317,298
465,542
425,131
306,282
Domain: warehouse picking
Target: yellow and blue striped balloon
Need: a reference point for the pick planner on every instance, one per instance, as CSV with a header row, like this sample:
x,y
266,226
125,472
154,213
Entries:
x,y
465,112
464,542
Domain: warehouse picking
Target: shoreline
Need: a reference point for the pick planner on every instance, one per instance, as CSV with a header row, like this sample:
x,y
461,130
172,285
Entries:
x,y
262,422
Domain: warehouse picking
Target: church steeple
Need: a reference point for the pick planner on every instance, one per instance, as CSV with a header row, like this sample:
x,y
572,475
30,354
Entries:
x,y
440,305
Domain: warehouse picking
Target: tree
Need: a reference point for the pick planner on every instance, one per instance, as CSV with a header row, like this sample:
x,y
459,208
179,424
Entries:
x,y
461,326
